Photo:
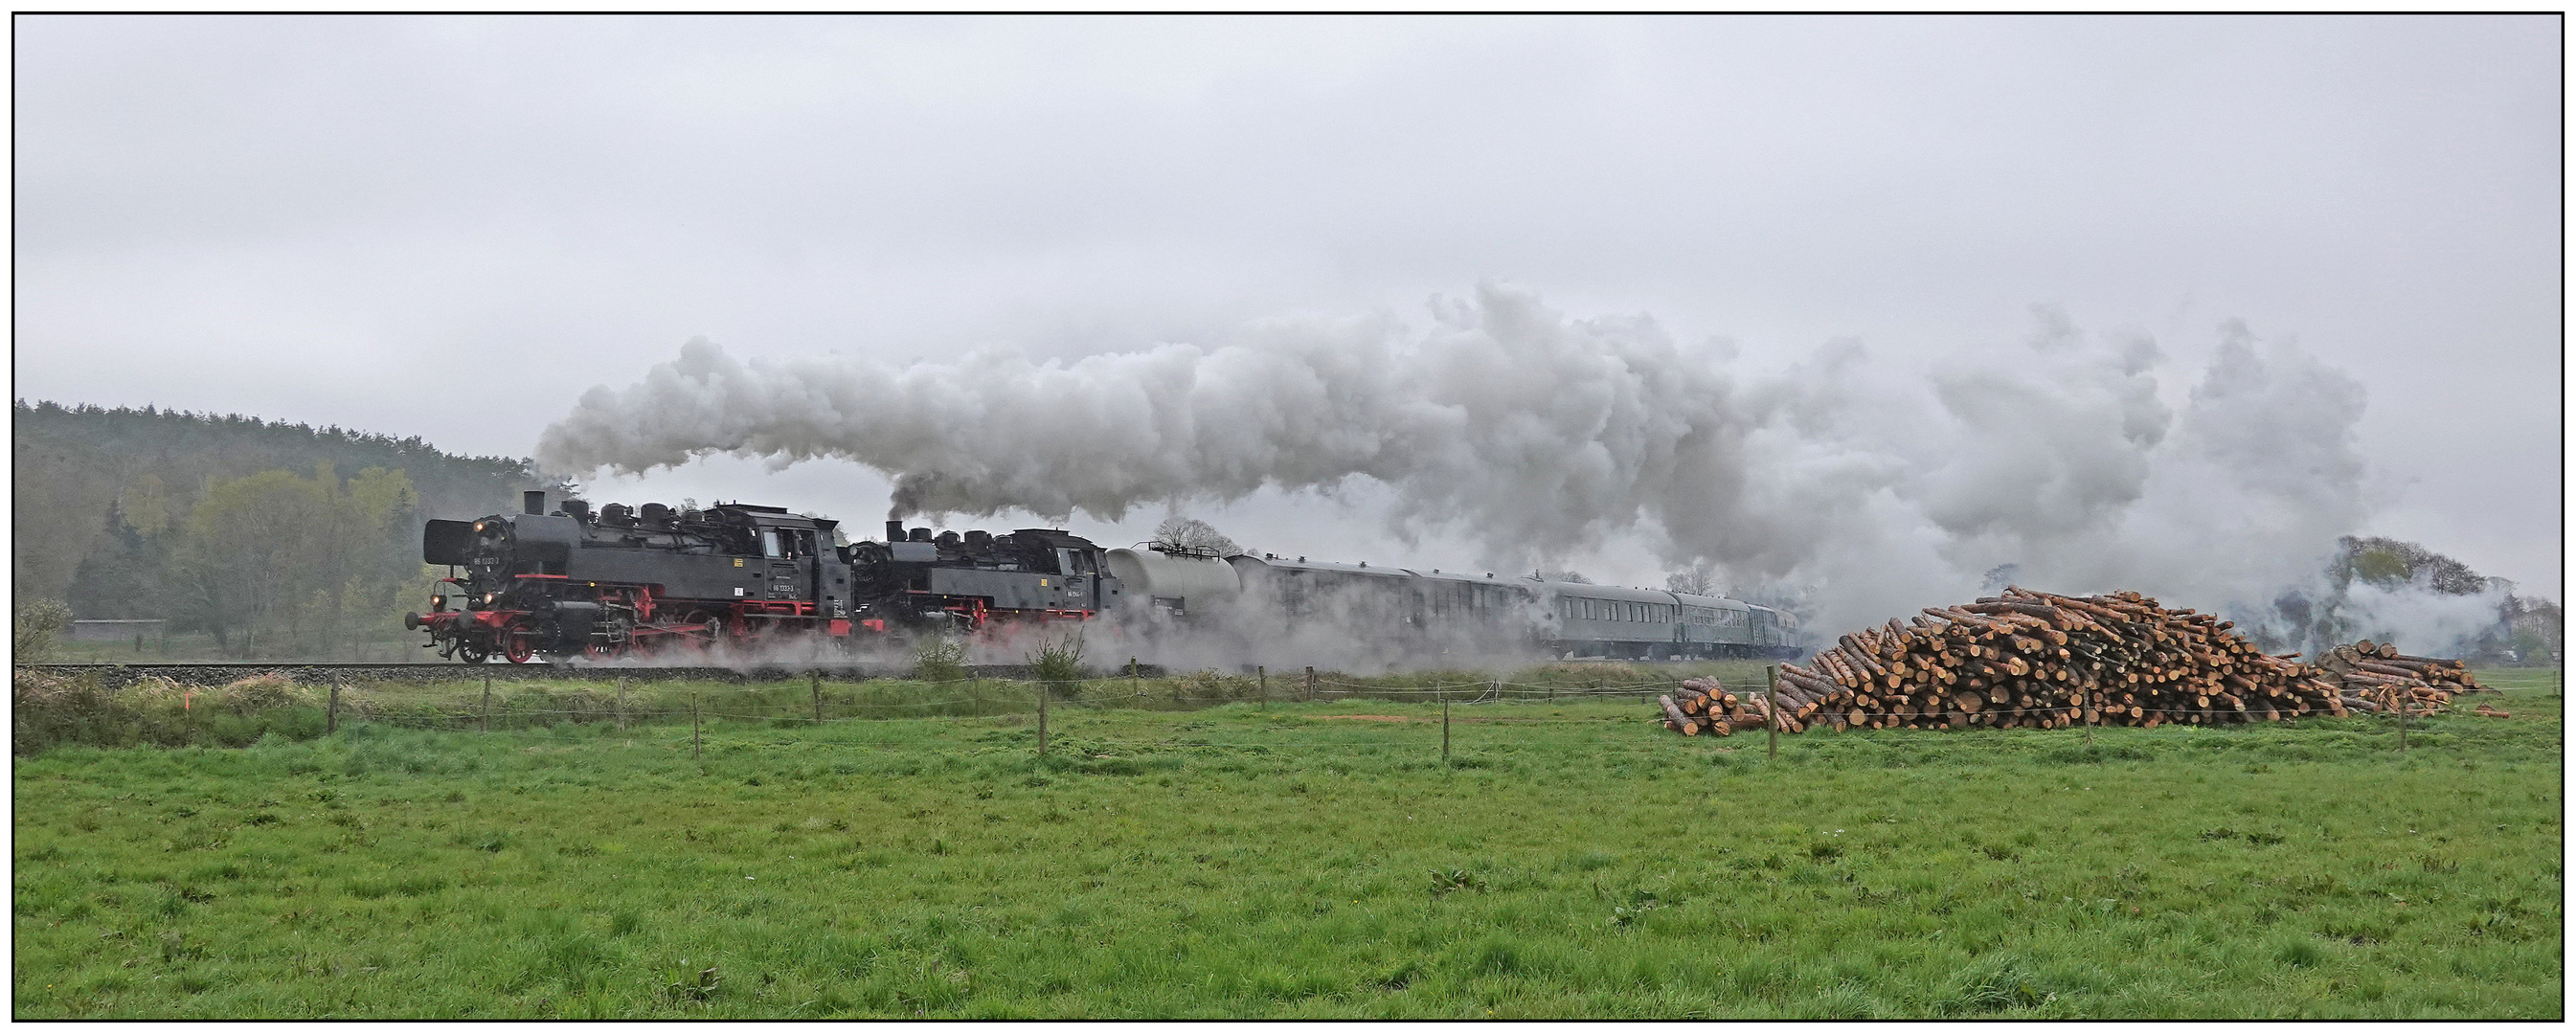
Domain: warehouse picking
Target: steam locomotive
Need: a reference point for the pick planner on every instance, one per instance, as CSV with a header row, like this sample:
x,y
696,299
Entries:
x,y
653,579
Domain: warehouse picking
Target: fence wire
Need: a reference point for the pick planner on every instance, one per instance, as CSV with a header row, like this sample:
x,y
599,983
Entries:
x,y
1024,700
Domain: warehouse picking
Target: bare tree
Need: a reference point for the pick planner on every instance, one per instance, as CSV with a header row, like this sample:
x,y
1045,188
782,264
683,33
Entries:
x,y
1190,536
1564,576
1699,579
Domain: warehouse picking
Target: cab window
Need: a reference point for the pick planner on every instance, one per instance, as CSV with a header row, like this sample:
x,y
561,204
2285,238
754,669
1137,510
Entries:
x,y
769,542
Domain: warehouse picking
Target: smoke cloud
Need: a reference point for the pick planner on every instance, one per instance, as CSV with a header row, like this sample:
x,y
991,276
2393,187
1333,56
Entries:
x,y
1858,487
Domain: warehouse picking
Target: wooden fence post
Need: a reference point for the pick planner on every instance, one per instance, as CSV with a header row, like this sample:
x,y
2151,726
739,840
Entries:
x,y
818,697
1042,695
483,721
331,721
1310,683
1771,705
1265,685
697,748
1444,727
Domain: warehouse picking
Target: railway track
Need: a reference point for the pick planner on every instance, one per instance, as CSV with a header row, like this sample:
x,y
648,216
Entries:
x,y
216,673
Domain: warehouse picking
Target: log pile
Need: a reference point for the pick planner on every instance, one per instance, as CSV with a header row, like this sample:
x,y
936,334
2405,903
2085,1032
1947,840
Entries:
x,y
2035,660
1704,705
2374,677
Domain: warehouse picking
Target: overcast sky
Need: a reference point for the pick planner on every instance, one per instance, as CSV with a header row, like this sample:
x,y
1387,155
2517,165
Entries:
x,y
451,227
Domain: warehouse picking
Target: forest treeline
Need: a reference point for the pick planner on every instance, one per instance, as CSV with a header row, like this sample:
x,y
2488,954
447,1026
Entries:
x,y
277,539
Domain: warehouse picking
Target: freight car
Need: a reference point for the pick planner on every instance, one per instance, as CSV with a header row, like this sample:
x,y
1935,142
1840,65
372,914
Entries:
x,y
574,582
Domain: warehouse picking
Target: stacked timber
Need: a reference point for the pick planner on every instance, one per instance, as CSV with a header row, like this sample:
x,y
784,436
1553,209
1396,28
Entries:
x,y
2038,660
2375,677
1704,705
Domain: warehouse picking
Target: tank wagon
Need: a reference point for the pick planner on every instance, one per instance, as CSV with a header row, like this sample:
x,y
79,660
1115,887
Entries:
x,y
574,582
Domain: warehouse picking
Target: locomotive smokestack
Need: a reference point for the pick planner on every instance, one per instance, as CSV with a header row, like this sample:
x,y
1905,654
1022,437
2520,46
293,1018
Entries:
x,y
532,503
894,531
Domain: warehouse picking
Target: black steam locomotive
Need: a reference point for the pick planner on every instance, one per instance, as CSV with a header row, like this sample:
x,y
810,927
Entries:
x,y
656,580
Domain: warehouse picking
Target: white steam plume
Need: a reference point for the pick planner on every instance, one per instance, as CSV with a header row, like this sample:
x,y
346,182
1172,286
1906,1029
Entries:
x,y
1870,490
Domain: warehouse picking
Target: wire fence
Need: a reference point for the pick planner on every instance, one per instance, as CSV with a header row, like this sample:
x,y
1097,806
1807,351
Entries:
x,y
1487,702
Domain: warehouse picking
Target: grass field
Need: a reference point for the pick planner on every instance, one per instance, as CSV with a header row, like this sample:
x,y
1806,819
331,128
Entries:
x,y
1297,860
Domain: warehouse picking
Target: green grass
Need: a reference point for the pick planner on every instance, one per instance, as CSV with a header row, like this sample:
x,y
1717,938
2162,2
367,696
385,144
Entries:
x,y
1571,860
387,645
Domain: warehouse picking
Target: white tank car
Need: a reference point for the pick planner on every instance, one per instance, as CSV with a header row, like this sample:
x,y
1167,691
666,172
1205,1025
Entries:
x,y
1174,584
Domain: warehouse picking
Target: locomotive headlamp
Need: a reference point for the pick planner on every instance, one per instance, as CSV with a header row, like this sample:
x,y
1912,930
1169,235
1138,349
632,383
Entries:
x,y
437,603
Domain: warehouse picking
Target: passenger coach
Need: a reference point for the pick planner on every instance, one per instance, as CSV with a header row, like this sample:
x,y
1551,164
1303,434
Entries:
x,y
1445,611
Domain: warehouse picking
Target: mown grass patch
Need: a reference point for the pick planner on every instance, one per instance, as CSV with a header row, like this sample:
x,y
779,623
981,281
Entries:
x,y
1236,861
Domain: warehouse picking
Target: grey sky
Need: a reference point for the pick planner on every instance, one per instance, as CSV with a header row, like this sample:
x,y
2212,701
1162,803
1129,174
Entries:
x,y
452,227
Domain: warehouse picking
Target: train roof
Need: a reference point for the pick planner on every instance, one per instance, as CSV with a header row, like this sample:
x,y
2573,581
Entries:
x,y
1057,537
1584,590
1610,592
1276,563
1453,576
1789,617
